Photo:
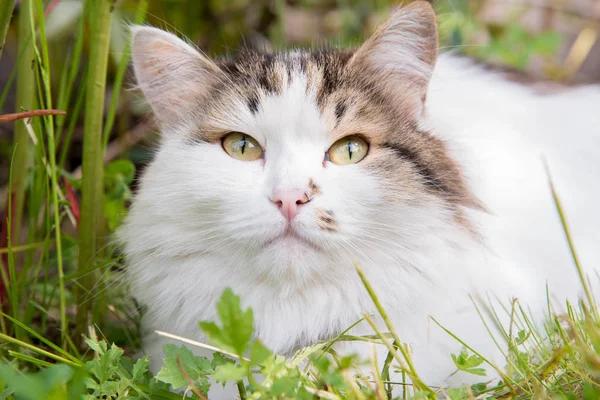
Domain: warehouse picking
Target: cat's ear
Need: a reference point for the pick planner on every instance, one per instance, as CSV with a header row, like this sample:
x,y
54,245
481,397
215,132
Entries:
x,y
172,74
401,54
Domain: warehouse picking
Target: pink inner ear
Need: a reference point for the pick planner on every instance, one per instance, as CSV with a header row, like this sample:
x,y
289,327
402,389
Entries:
x,y
171,73
401,55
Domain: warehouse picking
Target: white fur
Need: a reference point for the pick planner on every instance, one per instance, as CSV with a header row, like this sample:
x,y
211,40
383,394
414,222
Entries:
x,y
201,220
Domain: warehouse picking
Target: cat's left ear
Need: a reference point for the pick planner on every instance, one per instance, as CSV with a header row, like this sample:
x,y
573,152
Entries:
x,y
172,74
401,55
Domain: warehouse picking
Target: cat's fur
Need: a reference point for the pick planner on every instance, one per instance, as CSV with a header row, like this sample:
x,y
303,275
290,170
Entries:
x,y
451,199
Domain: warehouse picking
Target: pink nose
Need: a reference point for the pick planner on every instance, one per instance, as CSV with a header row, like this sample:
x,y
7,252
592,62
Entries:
x,y
289,202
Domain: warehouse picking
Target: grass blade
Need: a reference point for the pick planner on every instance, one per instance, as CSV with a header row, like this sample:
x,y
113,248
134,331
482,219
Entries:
x,y
123,63
6,10
26,84
44,70
35,349
411,368
90,226
563,220
40,337
64,95
505,378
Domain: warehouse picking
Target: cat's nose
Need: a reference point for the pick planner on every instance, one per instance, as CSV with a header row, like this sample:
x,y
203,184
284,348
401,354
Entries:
x,y
289,202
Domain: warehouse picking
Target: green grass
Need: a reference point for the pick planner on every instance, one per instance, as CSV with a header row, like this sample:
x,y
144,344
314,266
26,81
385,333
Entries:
x,y
91,223
67,326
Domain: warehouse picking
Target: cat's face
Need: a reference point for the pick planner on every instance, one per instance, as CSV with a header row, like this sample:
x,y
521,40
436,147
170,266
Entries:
x,y
283,156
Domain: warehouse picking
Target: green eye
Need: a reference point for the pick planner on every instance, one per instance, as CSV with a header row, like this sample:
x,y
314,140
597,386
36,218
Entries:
x,y
348,150
242,147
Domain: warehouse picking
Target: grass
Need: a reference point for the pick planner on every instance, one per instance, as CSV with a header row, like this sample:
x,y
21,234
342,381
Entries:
x,y
5,15
92,203
67,326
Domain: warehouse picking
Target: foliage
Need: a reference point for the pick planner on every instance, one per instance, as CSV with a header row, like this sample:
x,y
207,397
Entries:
x,y
510,45
572,365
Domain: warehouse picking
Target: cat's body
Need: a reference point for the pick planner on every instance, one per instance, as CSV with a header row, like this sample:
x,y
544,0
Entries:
x,y
451,199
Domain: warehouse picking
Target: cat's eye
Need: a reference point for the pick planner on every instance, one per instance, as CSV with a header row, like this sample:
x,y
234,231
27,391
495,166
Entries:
x,y
242,147
348,150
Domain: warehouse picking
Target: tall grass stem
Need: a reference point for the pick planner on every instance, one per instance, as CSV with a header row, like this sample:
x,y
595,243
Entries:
x,y
120,74
45,89
411,368
26,89
9,339
6,10
567,231
91,219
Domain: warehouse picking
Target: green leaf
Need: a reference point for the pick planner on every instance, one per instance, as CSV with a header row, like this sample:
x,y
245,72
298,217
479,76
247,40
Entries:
x,y
522,336
119,170
115,211
467,363
219,359
259,353
230,373
40,385
214,334
420,394
178,358
459,393
105,366
284,386
140,368
478,388
237,324
97,347
523,360
171,374
477,371
304,394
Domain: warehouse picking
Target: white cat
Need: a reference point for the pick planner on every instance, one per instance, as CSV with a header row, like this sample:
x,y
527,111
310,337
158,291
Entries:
x,y
277,172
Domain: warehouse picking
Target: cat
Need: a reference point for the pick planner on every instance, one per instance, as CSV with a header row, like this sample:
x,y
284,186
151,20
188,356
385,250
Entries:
x,y
277,173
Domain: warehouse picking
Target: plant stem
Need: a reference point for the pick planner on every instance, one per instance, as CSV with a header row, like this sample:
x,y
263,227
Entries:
x,y
411,368
385,371
25,101
73,119
6,10
13,294
120,74
46,100
241,390
38,350
99,14
69,75
563,220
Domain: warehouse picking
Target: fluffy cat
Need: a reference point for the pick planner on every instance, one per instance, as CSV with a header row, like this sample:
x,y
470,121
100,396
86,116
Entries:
x,y
278,172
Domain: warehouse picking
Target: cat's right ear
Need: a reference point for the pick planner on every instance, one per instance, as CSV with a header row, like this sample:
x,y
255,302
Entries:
x,y
171,73
401,55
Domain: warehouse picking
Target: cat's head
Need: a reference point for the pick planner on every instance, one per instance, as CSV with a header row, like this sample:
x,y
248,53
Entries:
x,y
283,156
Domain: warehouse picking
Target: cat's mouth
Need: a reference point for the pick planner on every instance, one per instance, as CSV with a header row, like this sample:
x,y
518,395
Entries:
x,y
290,236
